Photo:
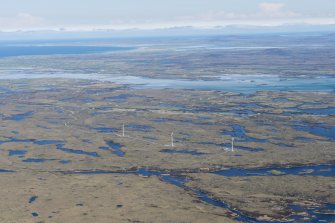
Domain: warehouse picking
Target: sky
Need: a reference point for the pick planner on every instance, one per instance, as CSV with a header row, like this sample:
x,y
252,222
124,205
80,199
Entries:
x,y
153,14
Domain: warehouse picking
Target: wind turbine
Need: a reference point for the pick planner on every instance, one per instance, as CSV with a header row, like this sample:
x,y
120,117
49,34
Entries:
x,y
232,144
172,144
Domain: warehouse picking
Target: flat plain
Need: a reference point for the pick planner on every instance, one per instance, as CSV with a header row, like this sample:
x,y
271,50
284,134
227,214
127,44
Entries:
x,y
64,155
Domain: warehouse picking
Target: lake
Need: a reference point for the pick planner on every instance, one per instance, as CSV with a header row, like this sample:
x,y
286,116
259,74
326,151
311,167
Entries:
x,y
17,50
233,83
246,84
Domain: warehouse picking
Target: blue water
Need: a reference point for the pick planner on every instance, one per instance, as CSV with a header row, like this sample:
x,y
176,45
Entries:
x,y
20,153
106,130
205,197
304,139
34,141
190,152
59,145
281,100
104,148
242,112
284,145
251,105
175,180
319,111
317,129
241,217
122,97
239,131
76,151
228,146
6,171
312,111
9,51
116,148
64,161
35,160
19,117
246,84
150,137
47,142
246,148
183,120
142,128
234,83
139,171
13,139
87,141
171,105
32,199
325,213
88,100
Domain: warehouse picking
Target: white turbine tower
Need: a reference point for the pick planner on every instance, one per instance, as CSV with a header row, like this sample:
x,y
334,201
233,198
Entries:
x,y
172,144
232,144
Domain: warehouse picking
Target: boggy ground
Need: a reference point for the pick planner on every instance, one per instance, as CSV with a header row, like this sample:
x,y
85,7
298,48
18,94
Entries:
x,y
64,125
97,198
268,197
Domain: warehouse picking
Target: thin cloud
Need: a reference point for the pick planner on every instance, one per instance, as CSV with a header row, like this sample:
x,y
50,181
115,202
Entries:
x,y
267,14
276,10
21,21
270,8
267,11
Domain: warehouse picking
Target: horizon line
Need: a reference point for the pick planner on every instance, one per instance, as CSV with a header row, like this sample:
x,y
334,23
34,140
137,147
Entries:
x,y
167,27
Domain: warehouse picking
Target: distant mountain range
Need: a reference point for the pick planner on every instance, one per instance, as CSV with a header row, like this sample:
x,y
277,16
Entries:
x,y
173,31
